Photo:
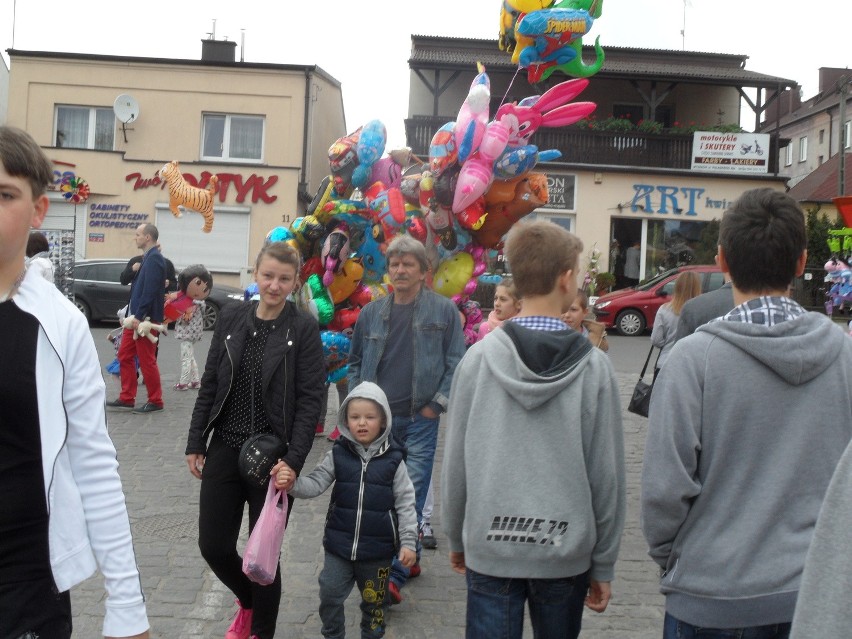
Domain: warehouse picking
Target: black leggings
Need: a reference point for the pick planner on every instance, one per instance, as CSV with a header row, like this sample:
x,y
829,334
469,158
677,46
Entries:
x,y
223,497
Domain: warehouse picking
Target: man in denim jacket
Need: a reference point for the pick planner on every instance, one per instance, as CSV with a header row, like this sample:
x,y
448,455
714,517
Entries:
x,y
409,344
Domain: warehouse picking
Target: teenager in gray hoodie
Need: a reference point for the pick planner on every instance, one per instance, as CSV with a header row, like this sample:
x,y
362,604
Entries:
x,y
371,516
533,475
748,420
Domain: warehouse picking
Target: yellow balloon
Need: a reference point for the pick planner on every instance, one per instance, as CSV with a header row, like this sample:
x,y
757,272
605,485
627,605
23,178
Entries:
x,y
346,280
452,274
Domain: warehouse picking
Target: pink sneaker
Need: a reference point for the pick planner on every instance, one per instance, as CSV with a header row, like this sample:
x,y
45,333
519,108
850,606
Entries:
x,y
195,385
320,431
241,625
181,387
334,435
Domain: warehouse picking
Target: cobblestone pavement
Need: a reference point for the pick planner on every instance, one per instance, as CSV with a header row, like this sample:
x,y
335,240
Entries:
x,y
185,600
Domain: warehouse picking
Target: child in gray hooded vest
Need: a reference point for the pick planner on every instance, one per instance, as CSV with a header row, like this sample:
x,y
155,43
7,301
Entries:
x,y
371,515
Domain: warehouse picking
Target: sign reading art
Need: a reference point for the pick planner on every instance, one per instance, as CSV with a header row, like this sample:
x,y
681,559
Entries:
x,y
256,187
730,152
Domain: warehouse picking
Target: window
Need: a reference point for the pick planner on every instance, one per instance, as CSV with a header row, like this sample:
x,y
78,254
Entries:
x,y
788,157
803,149
847,134
232,137
821,135
84,128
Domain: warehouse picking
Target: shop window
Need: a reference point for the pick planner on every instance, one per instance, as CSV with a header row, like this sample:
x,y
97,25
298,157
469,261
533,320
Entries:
x,y
803,149
224,249
84,128
672,243
232,137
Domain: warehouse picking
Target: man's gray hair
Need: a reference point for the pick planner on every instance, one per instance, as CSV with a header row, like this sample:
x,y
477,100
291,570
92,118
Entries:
x,y
407,245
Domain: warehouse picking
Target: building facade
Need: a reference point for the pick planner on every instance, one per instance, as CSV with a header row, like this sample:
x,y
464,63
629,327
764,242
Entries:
x,y
262,129
616,187
816,128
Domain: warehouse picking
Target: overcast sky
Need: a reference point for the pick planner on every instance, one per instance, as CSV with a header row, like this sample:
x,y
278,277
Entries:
x,y
366,44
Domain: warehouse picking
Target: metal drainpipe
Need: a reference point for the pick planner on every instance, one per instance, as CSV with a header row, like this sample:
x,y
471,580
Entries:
x,y
303,195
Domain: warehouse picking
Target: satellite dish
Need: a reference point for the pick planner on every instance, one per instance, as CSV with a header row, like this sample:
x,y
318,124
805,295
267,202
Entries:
x,y
126,108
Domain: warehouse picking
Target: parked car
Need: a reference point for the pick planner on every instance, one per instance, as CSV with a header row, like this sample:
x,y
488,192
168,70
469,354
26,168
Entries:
x,y
632,310
98,291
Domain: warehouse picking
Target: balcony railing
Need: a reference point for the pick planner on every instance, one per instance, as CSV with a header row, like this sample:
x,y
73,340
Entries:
x,y
585,146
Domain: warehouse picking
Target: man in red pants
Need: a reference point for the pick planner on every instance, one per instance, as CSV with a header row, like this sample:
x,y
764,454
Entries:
x,y
146,302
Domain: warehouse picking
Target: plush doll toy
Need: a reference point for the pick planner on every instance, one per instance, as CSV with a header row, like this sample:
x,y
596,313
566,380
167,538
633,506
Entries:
x,y
194,283
144,328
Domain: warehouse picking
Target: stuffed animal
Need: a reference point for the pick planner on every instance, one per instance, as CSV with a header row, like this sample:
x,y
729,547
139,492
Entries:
x,y
191,197
144,328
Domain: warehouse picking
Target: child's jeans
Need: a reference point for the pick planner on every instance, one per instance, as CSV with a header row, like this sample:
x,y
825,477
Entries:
x,y
188,366
336,580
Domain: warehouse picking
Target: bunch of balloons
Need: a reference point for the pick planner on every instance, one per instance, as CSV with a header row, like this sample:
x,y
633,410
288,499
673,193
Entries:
x,y
477,182
545,36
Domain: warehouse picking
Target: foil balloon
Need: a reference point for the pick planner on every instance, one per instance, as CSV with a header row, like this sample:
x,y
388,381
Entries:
x,y
344,321
453,274
335,249
370,147
478,171
473,115
520,160
317,300
372,259
523,195
312,265
387,170
361,296
335,349
550,109
279,234
473,217
343,158
346,280
323,195
443,151
307,230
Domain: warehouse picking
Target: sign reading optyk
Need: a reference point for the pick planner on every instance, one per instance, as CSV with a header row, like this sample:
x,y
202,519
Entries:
x,y
730,152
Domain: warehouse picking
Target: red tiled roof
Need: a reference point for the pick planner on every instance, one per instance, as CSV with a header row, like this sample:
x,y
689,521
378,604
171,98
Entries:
x,y
822,184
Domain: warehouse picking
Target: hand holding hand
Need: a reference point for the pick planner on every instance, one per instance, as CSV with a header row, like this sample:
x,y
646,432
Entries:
x,y
283,475
407,557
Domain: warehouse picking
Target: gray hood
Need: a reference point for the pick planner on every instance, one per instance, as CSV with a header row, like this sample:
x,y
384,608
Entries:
x,y
797,350
534,366
365,390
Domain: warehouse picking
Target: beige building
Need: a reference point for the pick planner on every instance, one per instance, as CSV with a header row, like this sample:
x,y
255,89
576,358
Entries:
x,y
621,185
263,129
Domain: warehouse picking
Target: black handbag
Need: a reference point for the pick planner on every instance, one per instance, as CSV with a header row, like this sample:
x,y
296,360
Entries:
x,y
258,455
641,399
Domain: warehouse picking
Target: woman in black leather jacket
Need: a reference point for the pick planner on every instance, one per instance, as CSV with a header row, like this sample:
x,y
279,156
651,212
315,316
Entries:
x,y
265,372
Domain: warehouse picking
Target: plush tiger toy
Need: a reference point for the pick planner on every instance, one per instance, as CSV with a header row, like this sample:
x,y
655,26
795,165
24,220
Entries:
x,y
191,197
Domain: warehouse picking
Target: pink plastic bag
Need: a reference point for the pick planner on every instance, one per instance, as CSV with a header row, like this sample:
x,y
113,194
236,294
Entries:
x,y
260,559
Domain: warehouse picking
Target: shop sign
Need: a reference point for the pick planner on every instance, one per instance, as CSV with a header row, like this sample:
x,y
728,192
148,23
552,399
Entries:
x,y
677,200
255,186
114,216
96,237
730,152
560,191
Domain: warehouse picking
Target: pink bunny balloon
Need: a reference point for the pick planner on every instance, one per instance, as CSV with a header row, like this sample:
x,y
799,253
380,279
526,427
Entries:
x,y
478,171
548,110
